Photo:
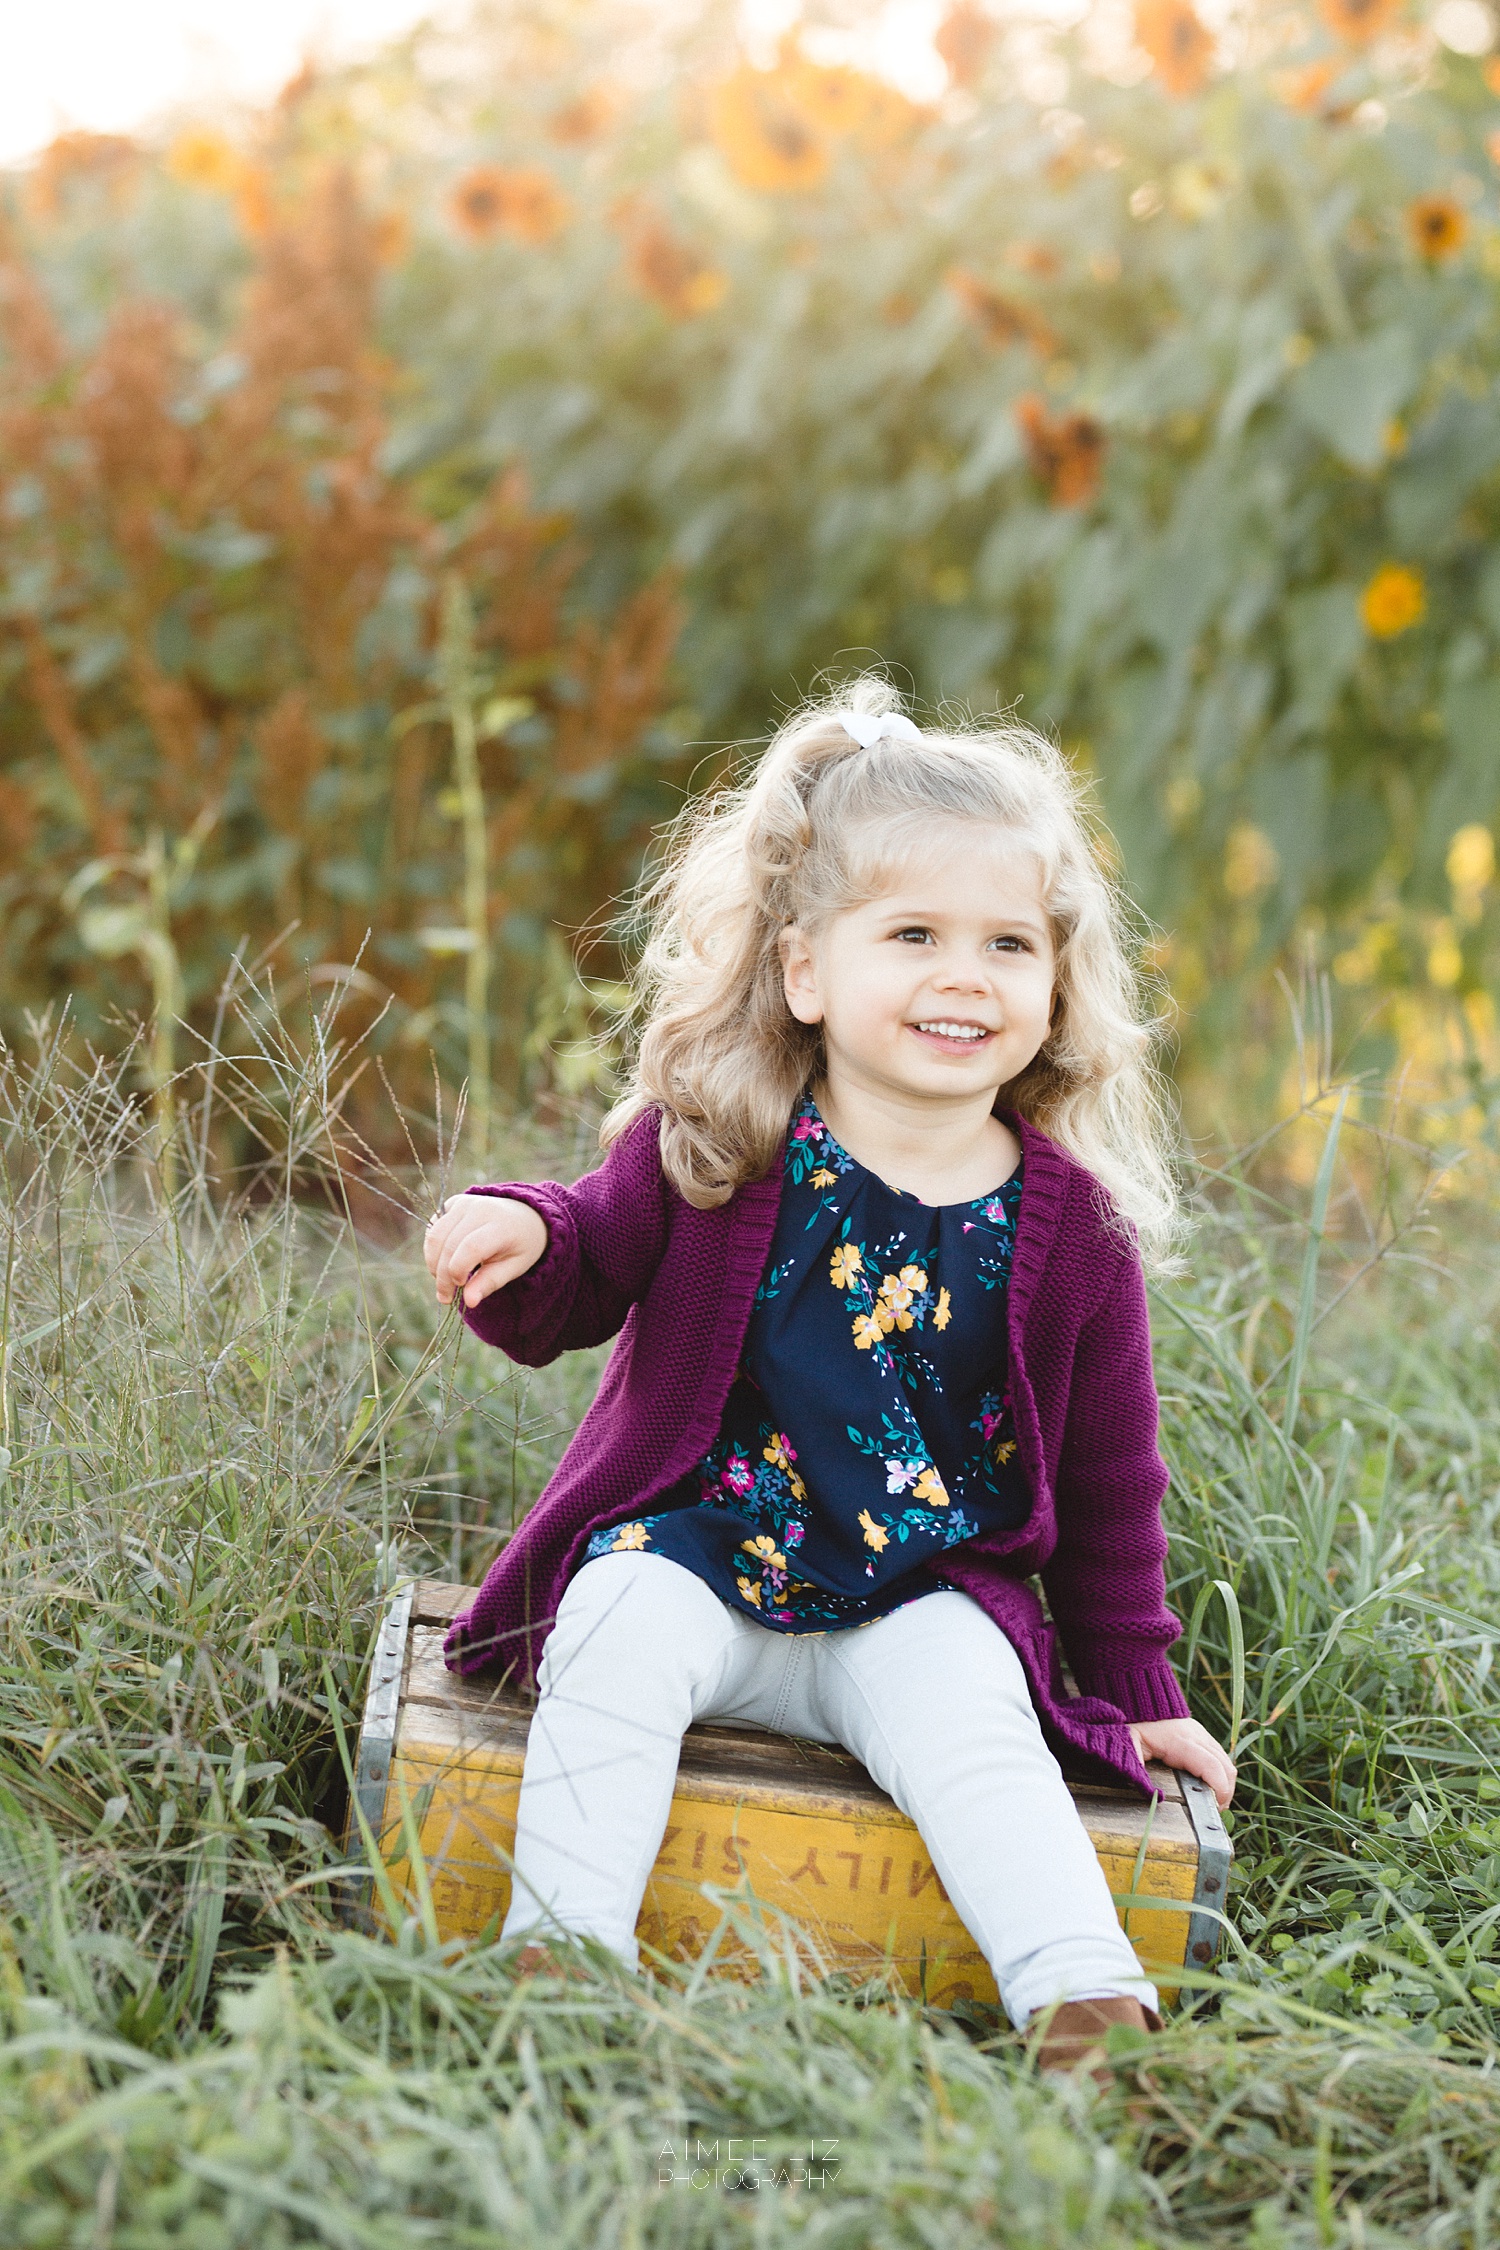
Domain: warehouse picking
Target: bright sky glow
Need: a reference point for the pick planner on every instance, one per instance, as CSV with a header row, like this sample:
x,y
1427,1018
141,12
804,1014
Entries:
x,y
117,66
899,46
114,66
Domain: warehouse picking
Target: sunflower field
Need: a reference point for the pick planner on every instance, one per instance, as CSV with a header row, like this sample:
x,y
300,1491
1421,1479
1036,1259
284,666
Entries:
x,y
411,490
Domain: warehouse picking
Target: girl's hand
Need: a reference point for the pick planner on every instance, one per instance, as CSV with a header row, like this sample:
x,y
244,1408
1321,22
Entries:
x,y
1182,1742
477,1243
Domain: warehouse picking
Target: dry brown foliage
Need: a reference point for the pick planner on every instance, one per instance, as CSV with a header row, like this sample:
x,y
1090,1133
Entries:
x,y
227,602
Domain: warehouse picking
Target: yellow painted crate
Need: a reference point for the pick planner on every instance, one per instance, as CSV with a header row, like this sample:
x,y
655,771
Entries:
x,y
802,1824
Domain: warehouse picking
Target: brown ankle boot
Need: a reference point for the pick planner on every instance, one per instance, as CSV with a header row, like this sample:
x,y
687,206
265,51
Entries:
x,y
540,1960
1070,2035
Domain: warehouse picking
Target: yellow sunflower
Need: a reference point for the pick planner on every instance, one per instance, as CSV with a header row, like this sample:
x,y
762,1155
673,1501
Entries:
x,y
1177,42
1394,601
583,119
478,202
668,270
964,39
1437,226
888,116
763,135
522,200
202,158
1357,22
1066,451
1304,86
833,98
1470,864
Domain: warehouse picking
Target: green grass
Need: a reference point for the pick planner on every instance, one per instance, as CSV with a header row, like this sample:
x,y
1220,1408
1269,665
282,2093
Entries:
x,y
230,1422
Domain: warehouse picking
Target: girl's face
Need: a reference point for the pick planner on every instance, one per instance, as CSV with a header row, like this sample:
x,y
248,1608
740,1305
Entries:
x,y
942,985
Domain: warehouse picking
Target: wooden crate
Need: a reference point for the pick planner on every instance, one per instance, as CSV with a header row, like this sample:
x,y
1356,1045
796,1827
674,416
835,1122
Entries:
x,y
802,1824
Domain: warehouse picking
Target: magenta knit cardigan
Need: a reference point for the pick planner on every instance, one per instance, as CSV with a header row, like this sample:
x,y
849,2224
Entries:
x,y
627,1255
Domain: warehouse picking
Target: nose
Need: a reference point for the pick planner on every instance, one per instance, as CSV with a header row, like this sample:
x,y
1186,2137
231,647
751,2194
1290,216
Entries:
x,y
962,972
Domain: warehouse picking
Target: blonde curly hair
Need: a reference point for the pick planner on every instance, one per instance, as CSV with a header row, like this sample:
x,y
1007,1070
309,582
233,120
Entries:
x,y
818,828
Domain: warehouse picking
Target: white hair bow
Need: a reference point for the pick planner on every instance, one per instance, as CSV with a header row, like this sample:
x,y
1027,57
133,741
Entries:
x,y
867,731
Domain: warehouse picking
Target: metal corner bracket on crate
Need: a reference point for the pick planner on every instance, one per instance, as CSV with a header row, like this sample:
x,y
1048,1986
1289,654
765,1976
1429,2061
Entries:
x,y
1215,1852
377,1732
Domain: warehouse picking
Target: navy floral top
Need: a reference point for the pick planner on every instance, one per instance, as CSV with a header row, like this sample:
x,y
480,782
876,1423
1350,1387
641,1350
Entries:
x,y
869,1425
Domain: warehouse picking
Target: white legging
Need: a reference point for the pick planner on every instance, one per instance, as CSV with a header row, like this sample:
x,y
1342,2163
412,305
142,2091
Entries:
x,y
933,1701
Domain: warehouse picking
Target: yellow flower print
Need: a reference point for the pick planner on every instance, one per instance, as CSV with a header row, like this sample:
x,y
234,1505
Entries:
x,y
781,1456
898,1290
764,1549
845,1263
749,1590
944,1313
1004,1453
629,1536
930,1486
824,1178
874,1535
871,1327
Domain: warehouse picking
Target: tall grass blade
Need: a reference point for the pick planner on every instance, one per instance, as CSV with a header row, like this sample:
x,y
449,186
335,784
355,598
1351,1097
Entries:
x,y
1236,1624
1308,1294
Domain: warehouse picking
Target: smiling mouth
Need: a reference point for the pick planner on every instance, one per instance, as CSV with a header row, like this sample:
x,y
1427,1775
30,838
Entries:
x,y
957,1034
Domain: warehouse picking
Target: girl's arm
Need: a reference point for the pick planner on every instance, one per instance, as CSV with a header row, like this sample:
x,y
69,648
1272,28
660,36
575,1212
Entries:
x,y
604,1238
1106,1583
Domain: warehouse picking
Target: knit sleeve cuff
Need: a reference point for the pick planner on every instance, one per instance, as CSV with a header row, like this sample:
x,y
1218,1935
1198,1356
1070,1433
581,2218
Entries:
x,y
1143,1692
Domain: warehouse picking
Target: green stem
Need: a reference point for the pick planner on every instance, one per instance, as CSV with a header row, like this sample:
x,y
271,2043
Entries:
x,y
457,665
1322,271
166,991
1307,1301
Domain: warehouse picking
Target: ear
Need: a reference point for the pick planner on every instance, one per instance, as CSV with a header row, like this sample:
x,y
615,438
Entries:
x,y
799,976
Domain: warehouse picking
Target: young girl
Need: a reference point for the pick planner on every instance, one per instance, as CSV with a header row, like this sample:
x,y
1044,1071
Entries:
x,y
869,1231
